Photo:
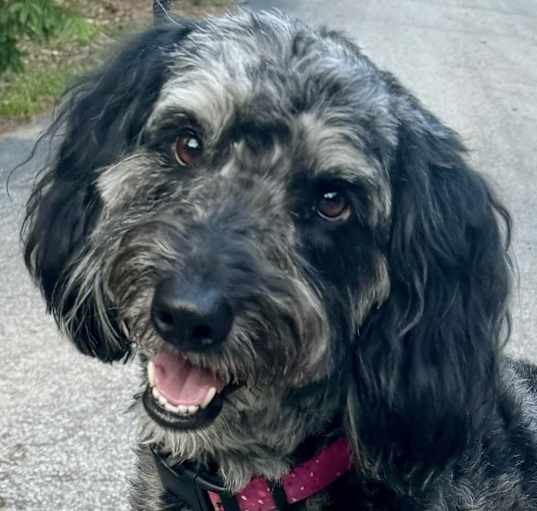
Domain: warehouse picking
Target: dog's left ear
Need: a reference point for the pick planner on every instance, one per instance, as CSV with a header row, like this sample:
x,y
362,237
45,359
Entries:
x,y
100,122
426,360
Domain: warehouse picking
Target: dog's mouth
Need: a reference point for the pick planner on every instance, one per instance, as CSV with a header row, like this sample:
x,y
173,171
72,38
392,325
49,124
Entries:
x,y
180,395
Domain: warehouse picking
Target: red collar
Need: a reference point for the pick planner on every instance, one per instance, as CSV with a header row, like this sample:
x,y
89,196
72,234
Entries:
x,y
201,491
302,482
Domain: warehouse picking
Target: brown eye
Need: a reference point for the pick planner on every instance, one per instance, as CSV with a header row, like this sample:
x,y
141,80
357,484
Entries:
x,y
333,206
188,149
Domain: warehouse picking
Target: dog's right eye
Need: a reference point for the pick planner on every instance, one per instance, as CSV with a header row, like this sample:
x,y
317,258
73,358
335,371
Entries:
x,y
188,149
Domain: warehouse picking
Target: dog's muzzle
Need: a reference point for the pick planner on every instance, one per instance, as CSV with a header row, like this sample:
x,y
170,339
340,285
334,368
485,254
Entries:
x,y
189,319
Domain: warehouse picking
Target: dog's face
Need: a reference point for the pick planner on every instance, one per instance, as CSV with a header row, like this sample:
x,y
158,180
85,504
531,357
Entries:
x,y
227,236
228,199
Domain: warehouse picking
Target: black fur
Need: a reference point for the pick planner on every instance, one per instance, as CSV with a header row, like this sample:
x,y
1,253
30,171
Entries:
x,y
389,324
427,360
103,116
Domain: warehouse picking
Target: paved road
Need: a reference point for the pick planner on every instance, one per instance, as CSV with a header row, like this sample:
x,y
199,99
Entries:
x,y
65,437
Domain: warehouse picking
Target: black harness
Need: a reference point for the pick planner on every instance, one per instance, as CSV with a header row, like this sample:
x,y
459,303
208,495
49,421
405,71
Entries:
x,y
189,484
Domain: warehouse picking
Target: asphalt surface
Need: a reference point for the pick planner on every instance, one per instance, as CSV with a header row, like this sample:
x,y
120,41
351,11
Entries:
x,y
65,436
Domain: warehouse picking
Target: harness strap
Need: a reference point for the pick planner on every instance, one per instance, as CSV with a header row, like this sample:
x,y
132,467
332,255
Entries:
x,y
206,492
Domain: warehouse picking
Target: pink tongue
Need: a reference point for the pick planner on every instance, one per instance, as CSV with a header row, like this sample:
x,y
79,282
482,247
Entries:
x,y
181,383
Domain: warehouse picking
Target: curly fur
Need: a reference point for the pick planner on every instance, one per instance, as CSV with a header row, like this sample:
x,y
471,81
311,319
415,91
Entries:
x,y
389,326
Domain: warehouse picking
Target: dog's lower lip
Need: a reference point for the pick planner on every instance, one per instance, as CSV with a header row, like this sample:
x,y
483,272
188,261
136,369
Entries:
x,y
170,420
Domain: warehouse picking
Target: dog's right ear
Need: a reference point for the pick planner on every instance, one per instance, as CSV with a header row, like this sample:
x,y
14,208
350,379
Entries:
x,y
99,121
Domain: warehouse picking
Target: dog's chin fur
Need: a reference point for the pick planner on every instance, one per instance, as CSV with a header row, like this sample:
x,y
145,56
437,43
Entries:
x,y
365,263
253,435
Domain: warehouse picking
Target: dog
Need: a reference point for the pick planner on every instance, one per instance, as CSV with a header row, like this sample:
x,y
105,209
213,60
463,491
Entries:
x,y
313,279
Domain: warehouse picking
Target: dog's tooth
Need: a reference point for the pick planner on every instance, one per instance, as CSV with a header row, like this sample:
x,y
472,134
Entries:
x,y
170,407
151,373
193,409
209,397
162,400
155,393
182,409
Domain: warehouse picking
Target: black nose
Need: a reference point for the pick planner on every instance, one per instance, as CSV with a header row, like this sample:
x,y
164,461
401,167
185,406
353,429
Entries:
x,y
189,317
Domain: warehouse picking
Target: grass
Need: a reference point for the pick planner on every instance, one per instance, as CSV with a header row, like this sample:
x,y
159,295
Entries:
x,y
77,30
47,70
32,92
88,27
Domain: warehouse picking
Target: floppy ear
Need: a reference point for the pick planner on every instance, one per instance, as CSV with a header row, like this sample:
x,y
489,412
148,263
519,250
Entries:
x,y
426,361
100,120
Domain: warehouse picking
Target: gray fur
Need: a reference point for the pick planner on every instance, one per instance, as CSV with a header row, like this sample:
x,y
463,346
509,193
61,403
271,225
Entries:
x,y
215,75
282,109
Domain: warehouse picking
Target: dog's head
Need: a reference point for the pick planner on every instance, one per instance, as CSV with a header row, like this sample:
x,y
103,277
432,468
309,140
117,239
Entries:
x,y
283,232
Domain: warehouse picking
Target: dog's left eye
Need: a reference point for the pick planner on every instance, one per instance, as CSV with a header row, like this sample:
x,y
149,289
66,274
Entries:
x,y
188,149
333,206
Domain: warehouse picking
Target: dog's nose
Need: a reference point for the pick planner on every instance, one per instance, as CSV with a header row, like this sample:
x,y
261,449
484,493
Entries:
x,y
190,318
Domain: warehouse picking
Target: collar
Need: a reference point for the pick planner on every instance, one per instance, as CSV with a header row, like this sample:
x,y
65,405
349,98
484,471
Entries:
x,y
203,491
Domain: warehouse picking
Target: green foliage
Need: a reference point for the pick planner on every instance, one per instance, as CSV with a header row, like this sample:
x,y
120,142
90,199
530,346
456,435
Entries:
x,y
36,19
52,39
77,30
32,92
